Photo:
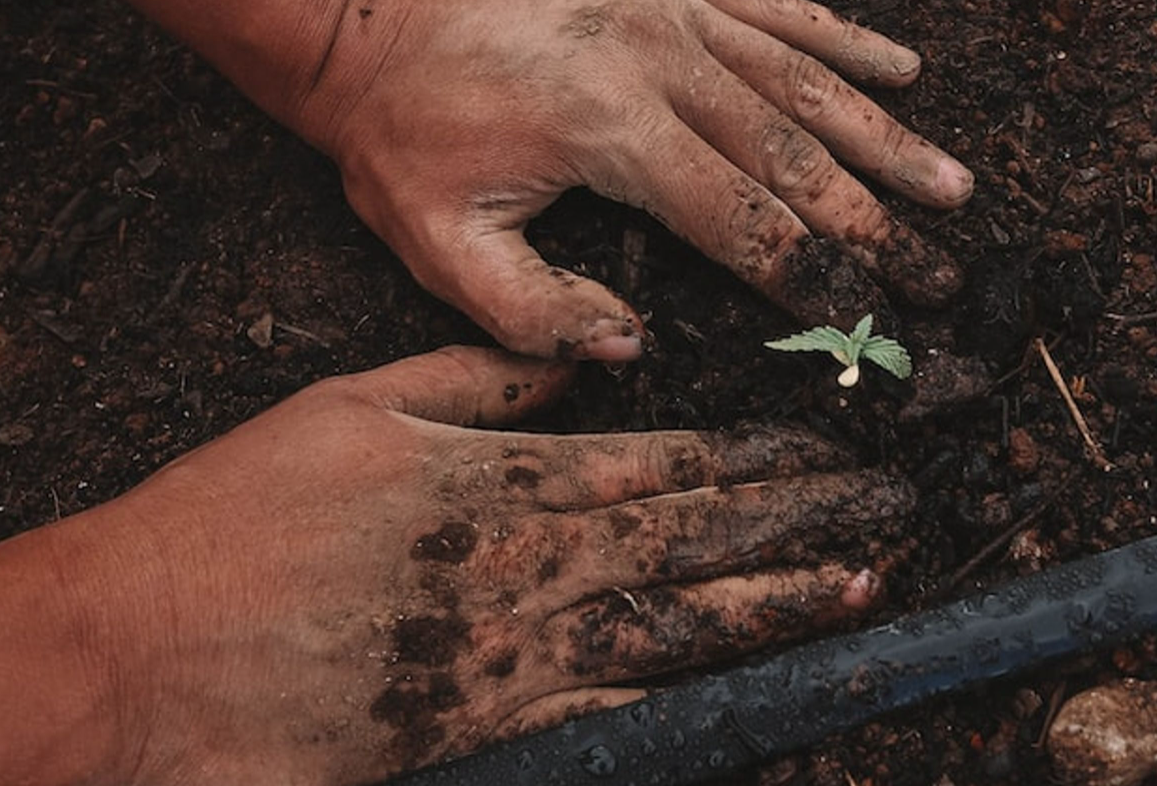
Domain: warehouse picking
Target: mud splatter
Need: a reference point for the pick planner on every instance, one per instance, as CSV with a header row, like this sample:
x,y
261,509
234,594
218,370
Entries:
x,y
430,640
503,665
523,477
453,543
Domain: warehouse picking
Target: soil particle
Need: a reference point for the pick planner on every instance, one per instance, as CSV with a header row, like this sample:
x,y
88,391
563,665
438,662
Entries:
x,y
1107,736
688,470
623,523
453,543
944,381
523,477
412,709
430,640
1023,453
548,570
442,588
502,665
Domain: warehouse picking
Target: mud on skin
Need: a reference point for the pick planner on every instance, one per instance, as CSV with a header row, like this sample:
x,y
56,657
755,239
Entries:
x,y
563,583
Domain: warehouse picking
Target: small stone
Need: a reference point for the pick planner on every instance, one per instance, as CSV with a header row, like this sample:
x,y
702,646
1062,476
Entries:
x,y
1026,703
1061,241
96,127
1029,551
14,435
1023,453
1088,174
1147,153
1107,736
1072,11
66,109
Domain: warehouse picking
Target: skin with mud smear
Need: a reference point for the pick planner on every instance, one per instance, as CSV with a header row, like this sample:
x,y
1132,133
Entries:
x,y
442,642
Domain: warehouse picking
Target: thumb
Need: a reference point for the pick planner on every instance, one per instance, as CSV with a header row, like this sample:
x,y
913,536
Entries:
x,y
468,386
530,307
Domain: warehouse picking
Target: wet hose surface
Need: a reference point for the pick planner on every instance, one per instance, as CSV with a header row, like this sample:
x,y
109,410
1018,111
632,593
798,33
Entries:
x,y
731,720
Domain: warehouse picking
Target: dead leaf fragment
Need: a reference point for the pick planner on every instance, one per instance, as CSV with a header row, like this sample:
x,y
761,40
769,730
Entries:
x,y
261,331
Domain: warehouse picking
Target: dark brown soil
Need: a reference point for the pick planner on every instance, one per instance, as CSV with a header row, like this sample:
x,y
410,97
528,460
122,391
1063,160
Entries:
x,y
151,218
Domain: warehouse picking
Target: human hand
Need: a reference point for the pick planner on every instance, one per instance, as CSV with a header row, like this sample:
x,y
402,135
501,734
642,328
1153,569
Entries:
x,y
455,123
343,588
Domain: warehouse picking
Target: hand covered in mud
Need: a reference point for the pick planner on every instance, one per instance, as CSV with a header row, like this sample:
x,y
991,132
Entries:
x,y
455,123
347,586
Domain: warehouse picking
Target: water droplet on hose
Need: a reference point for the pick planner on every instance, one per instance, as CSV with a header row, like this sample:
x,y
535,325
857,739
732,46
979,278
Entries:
x,y
649,747
678,739
717,759
598,760
525,760
643,714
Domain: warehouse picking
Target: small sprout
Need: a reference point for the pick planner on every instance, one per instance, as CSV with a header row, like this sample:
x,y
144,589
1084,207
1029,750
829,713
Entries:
x,y
886,353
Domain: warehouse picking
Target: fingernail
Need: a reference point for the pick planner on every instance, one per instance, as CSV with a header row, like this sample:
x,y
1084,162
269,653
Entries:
x,y
861,591
953,181
613,341
906,62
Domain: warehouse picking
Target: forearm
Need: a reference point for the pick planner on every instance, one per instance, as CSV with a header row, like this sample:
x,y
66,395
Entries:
x,y
61,722
275,51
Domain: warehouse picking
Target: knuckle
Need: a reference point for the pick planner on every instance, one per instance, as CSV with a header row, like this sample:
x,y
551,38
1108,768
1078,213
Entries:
x,y
333,392
756,237
806,168
813,89
895,143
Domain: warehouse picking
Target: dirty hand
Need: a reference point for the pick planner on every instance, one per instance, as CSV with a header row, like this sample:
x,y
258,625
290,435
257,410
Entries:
x,y
454,123
347,586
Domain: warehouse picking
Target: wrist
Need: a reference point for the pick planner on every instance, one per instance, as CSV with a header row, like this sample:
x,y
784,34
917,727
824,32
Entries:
x,y
302,61
62,663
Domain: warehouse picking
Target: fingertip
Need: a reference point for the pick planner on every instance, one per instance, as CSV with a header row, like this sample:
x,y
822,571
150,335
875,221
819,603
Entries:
x,y
954,182
905,66
468,386
613,341
861,591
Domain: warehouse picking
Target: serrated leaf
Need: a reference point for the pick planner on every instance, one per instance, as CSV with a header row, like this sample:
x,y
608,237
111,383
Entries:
x,y
858,338
889,355
818,339
862,330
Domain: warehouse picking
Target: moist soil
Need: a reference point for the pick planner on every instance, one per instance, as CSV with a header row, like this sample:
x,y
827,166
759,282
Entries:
x,y
153,220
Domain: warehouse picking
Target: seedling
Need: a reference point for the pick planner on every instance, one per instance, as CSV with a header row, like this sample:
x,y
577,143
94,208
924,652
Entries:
x,y
886,353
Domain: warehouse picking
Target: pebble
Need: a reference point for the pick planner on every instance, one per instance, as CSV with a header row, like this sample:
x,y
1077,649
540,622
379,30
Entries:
x,y
1023,453
1107,736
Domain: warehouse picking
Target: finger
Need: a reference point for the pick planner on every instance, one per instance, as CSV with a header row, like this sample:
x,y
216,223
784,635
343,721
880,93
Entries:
x,y
854,128
637,633
552,562
795,166
708,532
557,708
592,471
530,307
859,53
689,186
465,385
771,148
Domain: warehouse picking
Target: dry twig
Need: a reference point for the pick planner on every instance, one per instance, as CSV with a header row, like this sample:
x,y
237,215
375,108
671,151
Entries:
x,y
1082,426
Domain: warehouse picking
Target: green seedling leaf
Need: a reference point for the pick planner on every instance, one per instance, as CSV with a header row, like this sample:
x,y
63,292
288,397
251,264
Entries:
x,y
886,353
889,355
860,334
819,339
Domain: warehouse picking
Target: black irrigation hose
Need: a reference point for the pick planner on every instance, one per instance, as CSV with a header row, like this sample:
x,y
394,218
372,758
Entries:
x,y
722,723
